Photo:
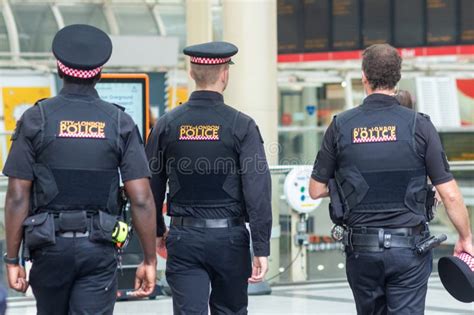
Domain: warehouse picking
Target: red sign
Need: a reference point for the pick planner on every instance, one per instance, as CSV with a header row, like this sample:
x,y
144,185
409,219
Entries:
x,y
357,54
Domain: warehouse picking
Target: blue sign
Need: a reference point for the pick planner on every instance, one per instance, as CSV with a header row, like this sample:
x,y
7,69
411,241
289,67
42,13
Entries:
x,y
311,109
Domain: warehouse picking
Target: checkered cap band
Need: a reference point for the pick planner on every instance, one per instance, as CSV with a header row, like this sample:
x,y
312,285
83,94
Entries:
x,y
209,61
376,139
76,73
468,259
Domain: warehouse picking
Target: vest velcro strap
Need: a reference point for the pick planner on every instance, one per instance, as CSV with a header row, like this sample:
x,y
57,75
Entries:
x,y
82,188
388,190
201,187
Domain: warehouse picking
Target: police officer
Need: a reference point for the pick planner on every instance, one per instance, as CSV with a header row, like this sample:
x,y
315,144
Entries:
x,y
213,157
65,157
380,154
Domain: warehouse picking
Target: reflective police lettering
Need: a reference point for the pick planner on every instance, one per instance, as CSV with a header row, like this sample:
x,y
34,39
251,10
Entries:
x,y
374,134
199,132
81,129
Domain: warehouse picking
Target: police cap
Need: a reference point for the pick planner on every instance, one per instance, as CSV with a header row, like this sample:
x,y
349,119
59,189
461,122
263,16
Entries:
x,y
81,50
213,53
457,276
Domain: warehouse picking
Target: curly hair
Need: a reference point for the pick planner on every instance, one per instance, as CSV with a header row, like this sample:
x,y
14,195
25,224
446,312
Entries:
x,y
382,65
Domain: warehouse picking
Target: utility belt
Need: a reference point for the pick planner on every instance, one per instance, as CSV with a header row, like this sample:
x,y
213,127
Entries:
x,y
207,223
380,239
41,230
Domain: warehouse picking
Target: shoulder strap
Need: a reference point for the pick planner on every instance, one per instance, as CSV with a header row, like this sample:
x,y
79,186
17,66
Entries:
x,y
119,107
119,127
43,120
234,123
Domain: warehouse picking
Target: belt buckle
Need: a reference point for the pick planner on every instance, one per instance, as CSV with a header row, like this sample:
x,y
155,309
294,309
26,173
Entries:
x,y
387,241
72,234
349,239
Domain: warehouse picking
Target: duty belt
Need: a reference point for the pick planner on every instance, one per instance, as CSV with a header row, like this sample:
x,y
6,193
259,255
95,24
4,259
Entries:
x,y
378,239
207,223
72,224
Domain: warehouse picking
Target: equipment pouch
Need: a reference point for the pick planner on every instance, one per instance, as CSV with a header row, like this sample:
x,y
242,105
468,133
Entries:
x,y
430,203
352,186
39,231
336,208
73,221
415,199
102,228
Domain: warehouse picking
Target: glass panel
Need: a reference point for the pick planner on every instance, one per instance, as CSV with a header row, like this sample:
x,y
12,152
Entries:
x,y
36,26
135,20
459,146
91,14
174,19
358,93
217,27
4,43
304,114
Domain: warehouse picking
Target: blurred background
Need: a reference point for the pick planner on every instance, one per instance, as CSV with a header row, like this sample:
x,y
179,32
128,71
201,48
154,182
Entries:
x,y
298,65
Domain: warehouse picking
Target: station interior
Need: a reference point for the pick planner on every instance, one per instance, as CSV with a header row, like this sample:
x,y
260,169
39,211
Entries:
x,y
298,65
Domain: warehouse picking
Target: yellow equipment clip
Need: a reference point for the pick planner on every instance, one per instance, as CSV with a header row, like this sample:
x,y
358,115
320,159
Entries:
x,y
120,232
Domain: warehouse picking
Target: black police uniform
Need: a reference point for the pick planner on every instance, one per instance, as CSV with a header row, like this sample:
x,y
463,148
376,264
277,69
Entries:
x,y
218,176
381,154
72,147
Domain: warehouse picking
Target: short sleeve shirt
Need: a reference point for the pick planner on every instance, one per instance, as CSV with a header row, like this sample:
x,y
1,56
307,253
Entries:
x,y
25,143
428,146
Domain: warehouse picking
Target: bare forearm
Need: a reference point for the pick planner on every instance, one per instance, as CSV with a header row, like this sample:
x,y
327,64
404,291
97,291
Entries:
x,y
143,215
317,189
455,208
144,218
15,214
17,203
458,215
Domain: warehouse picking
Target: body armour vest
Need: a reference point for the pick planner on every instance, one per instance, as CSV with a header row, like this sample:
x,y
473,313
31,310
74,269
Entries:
x,y
78,156
378,168
202,157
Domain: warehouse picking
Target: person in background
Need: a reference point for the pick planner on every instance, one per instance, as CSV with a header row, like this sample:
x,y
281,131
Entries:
x,y
405,99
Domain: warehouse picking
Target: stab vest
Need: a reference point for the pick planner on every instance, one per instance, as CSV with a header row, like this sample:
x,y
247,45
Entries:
x,y
78,156
202,159
378,167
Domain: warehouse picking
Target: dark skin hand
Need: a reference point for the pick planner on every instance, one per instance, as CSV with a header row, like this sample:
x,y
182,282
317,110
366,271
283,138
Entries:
x,y
17,203
144,221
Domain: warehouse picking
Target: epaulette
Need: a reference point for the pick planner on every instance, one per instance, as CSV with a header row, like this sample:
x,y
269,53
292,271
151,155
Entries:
x,y
119,107
40,100
425,115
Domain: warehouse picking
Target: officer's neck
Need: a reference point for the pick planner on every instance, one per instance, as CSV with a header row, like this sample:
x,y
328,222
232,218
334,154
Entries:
x,y
210,88
77,88
390,92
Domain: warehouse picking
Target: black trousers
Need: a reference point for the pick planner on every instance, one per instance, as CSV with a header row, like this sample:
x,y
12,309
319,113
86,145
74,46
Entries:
x,y
208,268
394,281
74,276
